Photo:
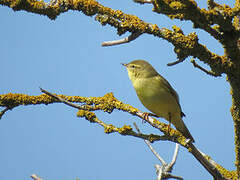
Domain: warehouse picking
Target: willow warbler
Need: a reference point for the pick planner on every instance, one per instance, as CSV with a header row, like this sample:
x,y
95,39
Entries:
x,y
156,94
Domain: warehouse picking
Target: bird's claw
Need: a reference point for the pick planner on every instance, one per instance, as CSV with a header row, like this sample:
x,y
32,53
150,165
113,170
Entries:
x,y
145,117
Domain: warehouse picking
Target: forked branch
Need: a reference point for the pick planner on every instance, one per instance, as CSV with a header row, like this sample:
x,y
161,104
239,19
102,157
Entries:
x,y
164,171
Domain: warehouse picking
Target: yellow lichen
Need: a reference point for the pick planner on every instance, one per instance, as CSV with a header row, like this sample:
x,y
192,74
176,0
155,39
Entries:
x,y
109,129
177,29
176,5
124,129
226,173
87,114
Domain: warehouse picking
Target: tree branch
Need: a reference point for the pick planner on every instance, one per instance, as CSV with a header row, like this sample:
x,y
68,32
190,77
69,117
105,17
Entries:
x,y
125,130
108,103
204,70
208,166
212,170
170,166
163,172
175,62
185,45
5,110
221,15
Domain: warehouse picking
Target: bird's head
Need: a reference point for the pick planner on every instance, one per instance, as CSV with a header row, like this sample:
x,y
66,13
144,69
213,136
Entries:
x,y
140,69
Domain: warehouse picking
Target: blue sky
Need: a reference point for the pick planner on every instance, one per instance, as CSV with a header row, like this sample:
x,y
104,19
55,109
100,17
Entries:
x,y
65,57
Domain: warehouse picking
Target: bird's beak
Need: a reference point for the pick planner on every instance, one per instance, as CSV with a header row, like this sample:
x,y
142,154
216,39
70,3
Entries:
x,y
124,64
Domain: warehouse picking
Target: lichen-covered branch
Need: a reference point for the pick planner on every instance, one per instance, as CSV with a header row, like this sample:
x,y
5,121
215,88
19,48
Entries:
x,y
235,111
221,16
127,130
225,30
185,45
107,104
225,172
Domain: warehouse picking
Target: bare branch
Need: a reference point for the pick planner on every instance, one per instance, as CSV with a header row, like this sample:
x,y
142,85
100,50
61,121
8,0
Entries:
x,y
151,148
35,177
143,1
162,171
128,39
170,166
175,62
159,171
61,99
5,110
163,174
204,70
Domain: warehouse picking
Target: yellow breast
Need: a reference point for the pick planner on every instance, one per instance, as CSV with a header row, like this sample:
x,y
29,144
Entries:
x,y
155,97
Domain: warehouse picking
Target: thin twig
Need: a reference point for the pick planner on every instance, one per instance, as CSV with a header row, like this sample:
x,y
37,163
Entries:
x,y
61,99
175,177
159,170
162,171
5,110
35,177
175,62
150,147
169,167
143,1
204,70
128,39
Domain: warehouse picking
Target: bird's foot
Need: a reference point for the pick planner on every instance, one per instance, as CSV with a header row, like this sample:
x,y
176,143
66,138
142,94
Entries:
x,y
146,116
168,128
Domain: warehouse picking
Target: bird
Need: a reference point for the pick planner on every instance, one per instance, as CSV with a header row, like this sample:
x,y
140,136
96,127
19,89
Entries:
x,y
156,94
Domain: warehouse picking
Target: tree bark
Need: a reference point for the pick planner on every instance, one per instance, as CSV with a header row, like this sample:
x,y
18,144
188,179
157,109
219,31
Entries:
x,y
235,111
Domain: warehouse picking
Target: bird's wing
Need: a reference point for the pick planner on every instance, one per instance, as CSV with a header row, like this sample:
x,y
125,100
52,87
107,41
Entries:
x,y
169,88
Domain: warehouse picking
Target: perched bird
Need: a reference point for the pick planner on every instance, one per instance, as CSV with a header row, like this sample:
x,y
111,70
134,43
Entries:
x,y
156,94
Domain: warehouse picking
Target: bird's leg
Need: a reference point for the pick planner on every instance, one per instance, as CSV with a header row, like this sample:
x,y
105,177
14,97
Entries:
x,y
169,124
146,115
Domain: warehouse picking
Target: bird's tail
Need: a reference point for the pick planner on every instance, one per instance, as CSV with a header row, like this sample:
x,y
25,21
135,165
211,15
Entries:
x,y
180,126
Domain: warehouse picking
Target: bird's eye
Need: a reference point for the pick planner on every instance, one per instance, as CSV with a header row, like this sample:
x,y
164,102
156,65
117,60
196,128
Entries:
x,y
133,66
